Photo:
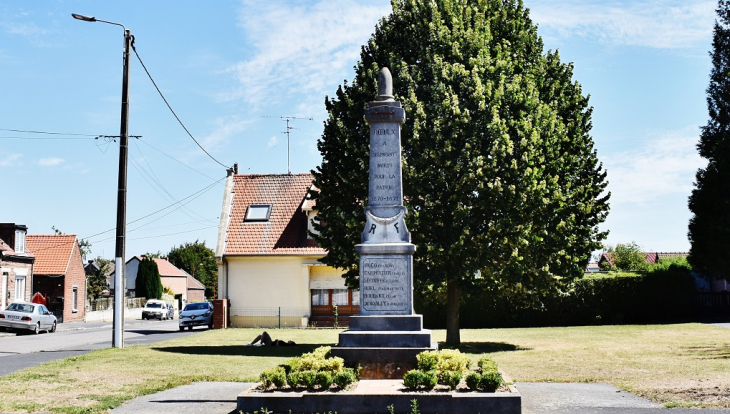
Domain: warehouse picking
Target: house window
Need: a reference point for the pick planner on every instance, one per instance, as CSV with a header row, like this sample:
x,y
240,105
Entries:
x,y
19,241
320,297
75,299
339,297
258,212
19,287
356,297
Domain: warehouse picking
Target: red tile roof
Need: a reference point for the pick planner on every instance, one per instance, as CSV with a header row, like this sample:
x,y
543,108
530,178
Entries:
x,y
52,252
285,233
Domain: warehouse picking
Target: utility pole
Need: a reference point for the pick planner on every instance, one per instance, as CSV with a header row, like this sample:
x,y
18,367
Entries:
x,y
288,128
119,271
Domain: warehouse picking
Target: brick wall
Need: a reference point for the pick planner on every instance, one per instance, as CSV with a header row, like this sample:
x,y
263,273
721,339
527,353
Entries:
x,y
12,269
75,277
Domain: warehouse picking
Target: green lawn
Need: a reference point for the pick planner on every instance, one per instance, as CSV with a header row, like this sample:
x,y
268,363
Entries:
x,y
677,365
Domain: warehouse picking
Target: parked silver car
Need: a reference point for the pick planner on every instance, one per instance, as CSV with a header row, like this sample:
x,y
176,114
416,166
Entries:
x,y
28,317
155,309
196,314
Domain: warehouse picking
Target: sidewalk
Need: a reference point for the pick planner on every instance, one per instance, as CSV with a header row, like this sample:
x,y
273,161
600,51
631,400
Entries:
x,y
537,398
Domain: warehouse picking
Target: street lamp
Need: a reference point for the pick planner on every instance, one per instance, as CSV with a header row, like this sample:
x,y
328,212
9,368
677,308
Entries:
x,y
118,336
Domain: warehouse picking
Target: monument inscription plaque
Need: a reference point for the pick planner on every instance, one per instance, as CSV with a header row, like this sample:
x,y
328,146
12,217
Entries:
x,y
386,284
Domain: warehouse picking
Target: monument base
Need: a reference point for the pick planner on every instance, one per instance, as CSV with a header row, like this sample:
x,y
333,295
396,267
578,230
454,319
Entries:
x,y
384,347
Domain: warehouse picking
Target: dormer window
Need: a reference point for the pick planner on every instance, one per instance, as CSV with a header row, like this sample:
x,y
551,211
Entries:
x,y
258,212
19,241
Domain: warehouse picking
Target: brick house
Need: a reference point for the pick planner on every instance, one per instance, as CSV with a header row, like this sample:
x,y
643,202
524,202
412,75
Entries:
x,y
58,274
268,265
16,265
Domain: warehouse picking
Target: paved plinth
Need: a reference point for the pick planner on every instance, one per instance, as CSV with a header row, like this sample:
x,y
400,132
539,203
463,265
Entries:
x,y
383,347
374,396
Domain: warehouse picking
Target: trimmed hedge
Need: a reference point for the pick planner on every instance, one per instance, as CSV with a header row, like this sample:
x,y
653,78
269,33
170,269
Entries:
x,y
664,293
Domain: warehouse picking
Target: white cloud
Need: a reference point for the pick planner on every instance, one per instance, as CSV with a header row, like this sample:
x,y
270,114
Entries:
x,y
272,142
668,24
663,166
51,161
303,46
9,160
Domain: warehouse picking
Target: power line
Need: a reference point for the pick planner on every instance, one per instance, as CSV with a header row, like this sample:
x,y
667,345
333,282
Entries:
x,y
47,133
173,112
46,138
176,160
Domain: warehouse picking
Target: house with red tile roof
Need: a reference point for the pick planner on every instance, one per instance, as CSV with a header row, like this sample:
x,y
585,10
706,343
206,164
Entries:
x,y
16,265
268,265
58,274
606,259
185,287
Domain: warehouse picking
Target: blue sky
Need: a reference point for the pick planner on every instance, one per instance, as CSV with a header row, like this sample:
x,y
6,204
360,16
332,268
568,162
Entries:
x,y
231,68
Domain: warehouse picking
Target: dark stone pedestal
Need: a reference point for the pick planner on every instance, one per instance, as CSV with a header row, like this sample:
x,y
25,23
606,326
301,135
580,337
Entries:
x,y
384,347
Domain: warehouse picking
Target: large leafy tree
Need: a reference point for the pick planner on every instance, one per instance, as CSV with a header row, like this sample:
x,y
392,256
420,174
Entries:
x,y
198,260
501,179
96,282
709,228
148,283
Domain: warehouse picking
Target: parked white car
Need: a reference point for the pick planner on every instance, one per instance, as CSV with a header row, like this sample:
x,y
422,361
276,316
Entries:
x,y
155,309
27,317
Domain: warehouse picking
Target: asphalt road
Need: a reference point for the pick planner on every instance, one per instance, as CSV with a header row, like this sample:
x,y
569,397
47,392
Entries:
x,y
77,338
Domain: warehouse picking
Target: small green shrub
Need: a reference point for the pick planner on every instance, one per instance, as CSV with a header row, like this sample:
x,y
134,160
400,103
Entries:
x,y
491,381
429,379
293,378
487,365
308,378
451,379
324,380
473,379
412,379
451,360
275,377
427,360
415,379
345,378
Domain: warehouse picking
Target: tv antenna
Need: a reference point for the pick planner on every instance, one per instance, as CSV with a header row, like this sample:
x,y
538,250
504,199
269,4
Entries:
x,y
288,128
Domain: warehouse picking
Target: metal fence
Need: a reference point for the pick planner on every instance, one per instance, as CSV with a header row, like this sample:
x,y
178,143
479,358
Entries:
x,y
712,303
270,317
101,304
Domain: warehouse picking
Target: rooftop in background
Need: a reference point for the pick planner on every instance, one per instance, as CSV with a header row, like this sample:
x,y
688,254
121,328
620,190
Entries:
x,y
285,231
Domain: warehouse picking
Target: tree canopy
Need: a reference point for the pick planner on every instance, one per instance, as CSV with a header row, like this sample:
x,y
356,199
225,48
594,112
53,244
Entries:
x,y
198,260
502,183
709,227
148,283
96,282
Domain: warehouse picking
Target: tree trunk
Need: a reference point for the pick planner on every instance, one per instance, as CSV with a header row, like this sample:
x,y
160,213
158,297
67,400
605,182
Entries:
x,y
452,313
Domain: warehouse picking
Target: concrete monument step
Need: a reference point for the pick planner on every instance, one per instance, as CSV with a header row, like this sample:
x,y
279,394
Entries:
x,y
386,323
386,339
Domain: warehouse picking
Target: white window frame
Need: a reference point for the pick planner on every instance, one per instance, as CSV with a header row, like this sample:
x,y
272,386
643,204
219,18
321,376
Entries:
x,y
19,287
254,212
75,301
19,241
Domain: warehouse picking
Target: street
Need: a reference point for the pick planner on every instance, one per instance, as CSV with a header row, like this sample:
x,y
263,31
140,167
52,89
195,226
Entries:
x,y
77,338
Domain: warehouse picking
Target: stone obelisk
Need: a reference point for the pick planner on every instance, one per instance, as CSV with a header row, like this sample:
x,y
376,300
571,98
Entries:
x,y
385,339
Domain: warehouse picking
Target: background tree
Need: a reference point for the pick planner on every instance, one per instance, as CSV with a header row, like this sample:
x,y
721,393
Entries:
x,y
709,227
628,256
96,282
148,283
500,176
84,245
198,260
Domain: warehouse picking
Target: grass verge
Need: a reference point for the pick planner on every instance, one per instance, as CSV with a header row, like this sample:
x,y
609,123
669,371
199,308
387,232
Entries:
x,y
685,365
